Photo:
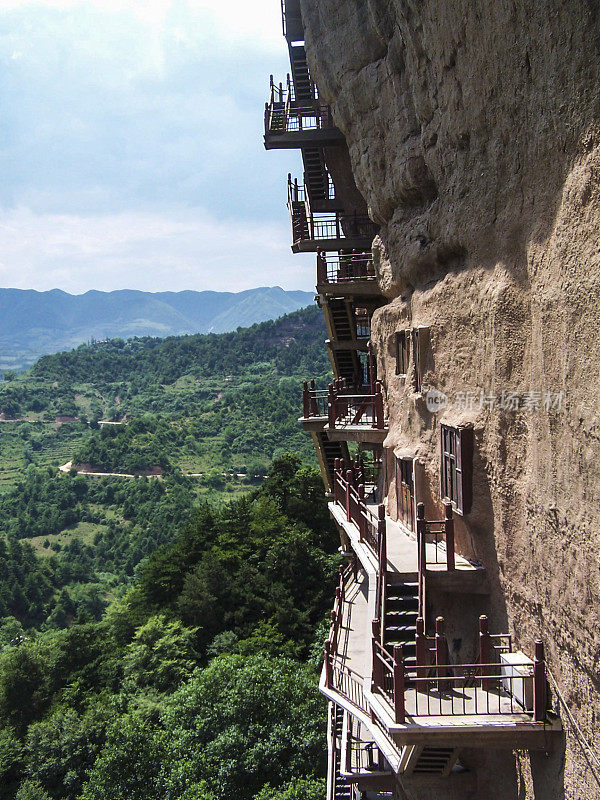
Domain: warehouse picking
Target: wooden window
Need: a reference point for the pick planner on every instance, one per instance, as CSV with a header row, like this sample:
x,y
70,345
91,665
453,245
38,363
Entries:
x,y
402,352
405,492
420,345
456,467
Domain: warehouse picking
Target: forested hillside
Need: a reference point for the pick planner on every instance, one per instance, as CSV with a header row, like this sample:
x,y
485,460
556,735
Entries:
x,y
219,405
161,636
74,542
33,323
200,683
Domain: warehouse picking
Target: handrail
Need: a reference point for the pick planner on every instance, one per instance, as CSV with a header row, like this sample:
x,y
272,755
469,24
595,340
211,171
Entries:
x,y
359,408
371,527
314,401
282,116
440,682
344,268
344,680
441,530
321,226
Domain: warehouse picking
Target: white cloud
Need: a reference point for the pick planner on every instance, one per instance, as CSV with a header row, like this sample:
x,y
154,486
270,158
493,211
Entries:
x,y
256,22
185,249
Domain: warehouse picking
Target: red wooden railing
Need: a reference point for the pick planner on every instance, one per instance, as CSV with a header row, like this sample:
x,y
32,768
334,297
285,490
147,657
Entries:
x,y
371,527
314,401
345,267
444,689
338,610
437,531
344,680
320,226
347,408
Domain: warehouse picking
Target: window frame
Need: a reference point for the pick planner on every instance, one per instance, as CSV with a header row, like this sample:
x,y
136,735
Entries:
x,y
402,341
456,467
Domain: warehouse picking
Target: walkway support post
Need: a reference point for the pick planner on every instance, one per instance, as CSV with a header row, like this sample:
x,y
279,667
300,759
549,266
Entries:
x,y
449,529
441,655
539,683
421,642
398,682
485,652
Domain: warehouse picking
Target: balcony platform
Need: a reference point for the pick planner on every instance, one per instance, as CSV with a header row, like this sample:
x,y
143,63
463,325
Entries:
x,y
341,243
402,558
290,140
357,433
512,728
506,730
313,423
350,288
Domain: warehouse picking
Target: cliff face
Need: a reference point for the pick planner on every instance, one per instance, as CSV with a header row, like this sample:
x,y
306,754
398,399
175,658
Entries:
x,y
473,132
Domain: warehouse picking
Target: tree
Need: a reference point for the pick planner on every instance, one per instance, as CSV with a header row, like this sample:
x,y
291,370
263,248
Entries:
x,y
161,655
242,722
32,790
131,763
296,789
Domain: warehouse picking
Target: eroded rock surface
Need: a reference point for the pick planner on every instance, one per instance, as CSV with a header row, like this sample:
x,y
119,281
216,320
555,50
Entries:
x,y
473,132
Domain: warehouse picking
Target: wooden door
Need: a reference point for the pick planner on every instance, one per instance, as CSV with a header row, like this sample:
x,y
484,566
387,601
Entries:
x,y
405,494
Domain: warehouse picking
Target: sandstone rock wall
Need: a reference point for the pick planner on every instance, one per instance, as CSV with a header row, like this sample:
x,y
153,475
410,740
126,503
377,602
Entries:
x,y
473,132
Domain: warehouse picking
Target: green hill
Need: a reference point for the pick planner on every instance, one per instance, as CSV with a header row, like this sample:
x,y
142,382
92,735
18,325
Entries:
x,y
33,323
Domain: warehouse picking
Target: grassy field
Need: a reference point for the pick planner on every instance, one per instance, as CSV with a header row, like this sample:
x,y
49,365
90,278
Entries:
x,y
84,531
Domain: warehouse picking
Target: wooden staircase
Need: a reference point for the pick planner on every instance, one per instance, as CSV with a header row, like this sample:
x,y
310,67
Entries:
x,y
346,364
342,789
329,452
316,177
430,761
400,620
304,92
341,320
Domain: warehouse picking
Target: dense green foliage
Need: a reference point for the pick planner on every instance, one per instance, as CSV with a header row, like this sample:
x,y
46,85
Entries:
x,y
154,644
198,683
288,345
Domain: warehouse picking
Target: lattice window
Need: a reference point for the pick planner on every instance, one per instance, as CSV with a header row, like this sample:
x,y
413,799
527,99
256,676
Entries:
x,y
456,467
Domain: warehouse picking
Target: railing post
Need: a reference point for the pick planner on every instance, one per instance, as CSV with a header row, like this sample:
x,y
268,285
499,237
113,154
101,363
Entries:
x,y
328,665
441,655
312,393
362,520
333,617
378,403
305,400
449,529
377,665
398,683
348,495
421,642
337,469
539,683
382,538
331,406
421,555
485,651
321,268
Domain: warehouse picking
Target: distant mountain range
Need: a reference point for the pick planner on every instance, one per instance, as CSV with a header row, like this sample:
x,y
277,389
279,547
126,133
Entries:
x,y
34,323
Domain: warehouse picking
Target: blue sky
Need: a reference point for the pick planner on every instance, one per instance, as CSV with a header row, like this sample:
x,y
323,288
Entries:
x,y
131,147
